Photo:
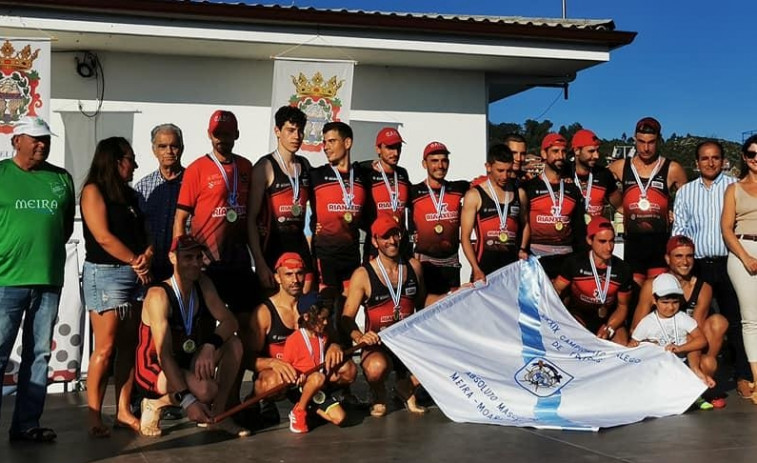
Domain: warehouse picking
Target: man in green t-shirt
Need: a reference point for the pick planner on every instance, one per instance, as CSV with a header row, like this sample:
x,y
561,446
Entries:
x,y
36,218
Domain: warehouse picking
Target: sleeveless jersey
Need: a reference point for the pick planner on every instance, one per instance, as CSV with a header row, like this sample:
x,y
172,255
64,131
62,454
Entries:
x,y
379,307
602,186
690,303
487,229
543,223
337,237
147,364
276,337
584,295
654,220
425,219
279,198
379,194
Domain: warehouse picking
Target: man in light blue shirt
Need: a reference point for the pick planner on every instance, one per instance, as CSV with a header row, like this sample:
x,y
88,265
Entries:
x,y
697,210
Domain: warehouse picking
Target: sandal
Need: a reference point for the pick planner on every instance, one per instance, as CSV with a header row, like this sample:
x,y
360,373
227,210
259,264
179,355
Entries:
x,y
34,435
149,423
99,431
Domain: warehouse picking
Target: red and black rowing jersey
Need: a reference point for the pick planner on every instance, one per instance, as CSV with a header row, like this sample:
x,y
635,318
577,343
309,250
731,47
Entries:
x,y
147,362
380,195
602,187
585,303
489,243
279,196
379,307
568,228
438,235
277,335
655,218
338,228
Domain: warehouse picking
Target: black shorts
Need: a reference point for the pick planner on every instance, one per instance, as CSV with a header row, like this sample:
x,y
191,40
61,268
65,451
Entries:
x,y
335,271
493,261
440,280
644,252
552,264
238,287
397,364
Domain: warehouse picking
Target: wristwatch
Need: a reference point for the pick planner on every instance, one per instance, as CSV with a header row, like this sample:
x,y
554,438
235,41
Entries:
x,y
179,396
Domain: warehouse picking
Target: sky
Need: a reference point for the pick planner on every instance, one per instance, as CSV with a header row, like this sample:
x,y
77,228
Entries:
x,y
688,65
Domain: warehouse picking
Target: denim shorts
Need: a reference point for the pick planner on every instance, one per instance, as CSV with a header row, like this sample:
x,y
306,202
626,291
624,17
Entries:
x,y
110,286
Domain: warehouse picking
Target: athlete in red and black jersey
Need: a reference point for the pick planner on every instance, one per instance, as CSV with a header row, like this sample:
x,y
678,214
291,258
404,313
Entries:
x,y
555,208
598,284
501,227
648,180
391,289
272,322
278,197
598,186
435,205
183,358
389,187
338,201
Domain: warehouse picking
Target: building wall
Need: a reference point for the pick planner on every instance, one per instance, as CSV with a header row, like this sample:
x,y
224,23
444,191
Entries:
x,y
426,105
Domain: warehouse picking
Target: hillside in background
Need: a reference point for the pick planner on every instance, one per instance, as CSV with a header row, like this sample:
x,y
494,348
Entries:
x,y
677,147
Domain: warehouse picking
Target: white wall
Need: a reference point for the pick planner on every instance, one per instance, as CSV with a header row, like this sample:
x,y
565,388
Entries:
x,y
427,104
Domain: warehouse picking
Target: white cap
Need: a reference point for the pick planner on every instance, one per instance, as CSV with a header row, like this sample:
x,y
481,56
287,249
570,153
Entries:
x,y
666,285
32,126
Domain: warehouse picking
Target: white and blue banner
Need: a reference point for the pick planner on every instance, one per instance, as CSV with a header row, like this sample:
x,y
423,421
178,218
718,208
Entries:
x,y
509,353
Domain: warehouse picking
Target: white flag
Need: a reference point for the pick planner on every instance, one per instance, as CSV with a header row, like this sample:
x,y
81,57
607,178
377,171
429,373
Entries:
x,y
321,89
509,353
24,85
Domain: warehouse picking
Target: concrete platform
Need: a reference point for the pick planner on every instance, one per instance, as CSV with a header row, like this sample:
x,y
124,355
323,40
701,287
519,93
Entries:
x,y
701,436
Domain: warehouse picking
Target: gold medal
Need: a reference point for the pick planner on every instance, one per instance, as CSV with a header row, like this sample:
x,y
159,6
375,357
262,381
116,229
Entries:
x,y
396,315
644,204
438,229
503,237
231,215
189,346
587,218
602,312
348,217
559,226
296,210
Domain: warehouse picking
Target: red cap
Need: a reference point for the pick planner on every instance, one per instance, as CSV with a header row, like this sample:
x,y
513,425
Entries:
x,y
598,224
383,225
224,121
584,138
435,147
677,241
290,260
388,136
553,139
185,242
648,125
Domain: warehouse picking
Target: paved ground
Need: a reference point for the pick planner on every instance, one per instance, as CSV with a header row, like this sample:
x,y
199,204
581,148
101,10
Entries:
x,y
702,436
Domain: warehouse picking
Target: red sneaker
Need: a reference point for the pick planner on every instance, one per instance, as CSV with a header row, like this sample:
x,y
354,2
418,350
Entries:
x,y
298,420
718,403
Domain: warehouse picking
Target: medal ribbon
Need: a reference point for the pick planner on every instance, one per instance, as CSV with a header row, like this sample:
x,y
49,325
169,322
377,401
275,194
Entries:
x,y
556,207
665,333
644,188
396,295
602,290
394,196
347,196
232,198
501,211
587,196
321,344
437,204
294,181
187,315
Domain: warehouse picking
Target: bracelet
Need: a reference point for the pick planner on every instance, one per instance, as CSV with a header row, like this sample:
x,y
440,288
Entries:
x,y
215,340
188,400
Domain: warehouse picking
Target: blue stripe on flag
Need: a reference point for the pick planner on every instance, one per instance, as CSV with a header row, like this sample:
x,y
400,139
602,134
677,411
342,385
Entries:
x,y
529,321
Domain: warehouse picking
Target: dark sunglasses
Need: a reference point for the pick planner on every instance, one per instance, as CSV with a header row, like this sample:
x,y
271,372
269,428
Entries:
x,y
750,154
